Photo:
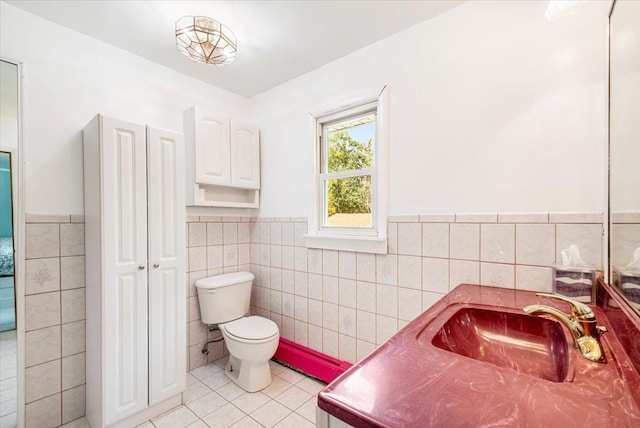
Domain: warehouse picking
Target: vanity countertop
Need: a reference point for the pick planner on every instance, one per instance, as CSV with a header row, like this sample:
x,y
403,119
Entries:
x,y
409,382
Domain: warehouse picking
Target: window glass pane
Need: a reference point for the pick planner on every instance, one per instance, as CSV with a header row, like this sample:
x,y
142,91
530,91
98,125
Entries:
x,y
350,144
349,202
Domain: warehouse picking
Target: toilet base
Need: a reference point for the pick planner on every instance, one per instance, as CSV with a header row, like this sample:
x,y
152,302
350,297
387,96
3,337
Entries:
x,y
250,376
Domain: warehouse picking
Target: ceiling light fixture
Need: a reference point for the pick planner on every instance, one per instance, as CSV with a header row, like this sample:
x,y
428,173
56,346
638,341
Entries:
x,y
205,40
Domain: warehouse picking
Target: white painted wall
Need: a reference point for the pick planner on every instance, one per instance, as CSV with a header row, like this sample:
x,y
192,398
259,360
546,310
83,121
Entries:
x,y
493,109
69,78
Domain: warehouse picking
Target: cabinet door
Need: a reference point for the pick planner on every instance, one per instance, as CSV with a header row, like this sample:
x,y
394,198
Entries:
x,y
167,292
124,256
245,155
212,162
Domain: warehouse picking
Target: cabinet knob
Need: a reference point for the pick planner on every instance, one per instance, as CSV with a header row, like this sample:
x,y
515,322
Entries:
x,y
141,267
156,265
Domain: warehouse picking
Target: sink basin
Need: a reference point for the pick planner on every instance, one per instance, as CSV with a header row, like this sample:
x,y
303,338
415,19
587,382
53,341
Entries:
x,y
526,344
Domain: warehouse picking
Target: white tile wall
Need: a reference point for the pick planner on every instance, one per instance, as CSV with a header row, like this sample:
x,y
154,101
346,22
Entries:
x,y
344,303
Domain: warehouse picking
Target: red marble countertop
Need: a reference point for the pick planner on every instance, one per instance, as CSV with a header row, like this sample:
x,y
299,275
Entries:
x,y
409,382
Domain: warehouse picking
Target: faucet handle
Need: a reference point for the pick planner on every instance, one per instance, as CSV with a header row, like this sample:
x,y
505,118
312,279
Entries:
x,y
578,309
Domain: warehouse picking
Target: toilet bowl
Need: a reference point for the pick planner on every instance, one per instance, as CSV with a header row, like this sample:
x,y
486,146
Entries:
x,y
250,340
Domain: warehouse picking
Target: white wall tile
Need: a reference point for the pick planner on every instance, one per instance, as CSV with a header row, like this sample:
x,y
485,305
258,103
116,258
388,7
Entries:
x,y
214,234
523,217
534,278
72,272
301,309
315,312
347,322
301,332
288,328
42,345
535,244
300,230
73,305
300,259
276,256
288,305
392,238
588,238
72,239
197,236
409,303
45,413
347,348
429,299
288,258
477,218
387,300
314,260
330,343
330,289
42,380
330,262
255,254
276,278
387,269
385,328
464,241
315,337
497,243
497,275
626,238
288,281
435,239
73,371
42,310
42,240
576,217
244,233
215,256
463,272
301,284
363,348
73,404
410,272
315,286
347,293
276,233
366,267
229,233
347,265
438,218
435,275
288,233
366,326
73,338
42,275
366,294
410,239
197,259
330,316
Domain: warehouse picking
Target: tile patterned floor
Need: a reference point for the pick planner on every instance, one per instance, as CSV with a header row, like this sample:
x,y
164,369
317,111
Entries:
x,y
212,400
8,385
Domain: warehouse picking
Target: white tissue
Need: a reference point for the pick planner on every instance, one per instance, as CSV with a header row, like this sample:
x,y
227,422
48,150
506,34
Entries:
x,y
634,265
571,256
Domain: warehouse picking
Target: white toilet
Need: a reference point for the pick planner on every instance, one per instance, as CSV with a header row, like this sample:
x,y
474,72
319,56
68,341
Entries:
x,y
251,341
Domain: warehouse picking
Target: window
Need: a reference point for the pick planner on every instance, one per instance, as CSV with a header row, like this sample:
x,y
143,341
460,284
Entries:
x,y
349,209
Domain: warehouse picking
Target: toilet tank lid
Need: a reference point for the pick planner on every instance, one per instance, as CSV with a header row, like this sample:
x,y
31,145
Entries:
x,y
224,280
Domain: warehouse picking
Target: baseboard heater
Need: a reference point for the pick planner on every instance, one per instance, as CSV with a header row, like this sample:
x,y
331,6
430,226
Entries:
x,y
307,360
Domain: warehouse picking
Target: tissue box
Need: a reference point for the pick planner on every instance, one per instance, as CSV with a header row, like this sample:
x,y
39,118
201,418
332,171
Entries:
x,y
575,283
629,283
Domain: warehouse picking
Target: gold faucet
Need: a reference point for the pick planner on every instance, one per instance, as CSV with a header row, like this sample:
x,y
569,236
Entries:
x,y
581,323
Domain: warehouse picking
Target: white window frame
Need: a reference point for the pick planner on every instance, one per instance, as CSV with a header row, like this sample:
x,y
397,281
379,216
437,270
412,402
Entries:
x,y
369,240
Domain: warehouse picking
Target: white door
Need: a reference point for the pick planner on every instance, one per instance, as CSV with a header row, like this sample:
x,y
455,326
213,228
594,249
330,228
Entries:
x,y
167,292
124,249
212,149
245,155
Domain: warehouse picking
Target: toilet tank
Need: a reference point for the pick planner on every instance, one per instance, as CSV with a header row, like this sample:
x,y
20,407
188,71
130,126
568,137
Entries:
x,y
224,298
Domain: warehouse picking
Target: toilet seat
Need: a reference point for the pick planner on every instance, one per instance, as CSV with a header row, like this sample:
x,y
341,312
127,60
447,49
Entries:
x,y
251,329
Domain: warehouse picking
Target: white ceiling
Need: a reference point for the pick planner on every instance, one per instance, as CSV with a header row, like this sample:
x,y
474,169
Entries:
x,y
277,40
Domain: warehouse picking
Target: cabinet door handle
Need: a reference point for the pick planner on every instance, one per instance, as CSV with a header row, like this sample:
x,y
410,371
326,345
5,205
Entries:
x,y
156,265
141,267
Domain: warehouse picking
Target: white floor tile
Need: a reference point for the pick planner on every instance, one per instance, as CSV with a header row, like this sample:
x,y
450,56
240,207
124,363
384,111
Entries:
x,y
276,368
310,385
277,387
230,391
270,414
222,362
177,418
308,409
206,404
291,376
84,423
246,422
250,401
224,417
198,424
216,380
9,421
194,392
293,397
294,420
205,371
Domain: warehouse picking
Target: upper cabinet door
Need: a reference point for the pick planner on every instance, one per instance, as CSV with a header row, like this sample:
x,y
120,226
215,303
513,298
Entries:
x,y
167,294
212,158
245,155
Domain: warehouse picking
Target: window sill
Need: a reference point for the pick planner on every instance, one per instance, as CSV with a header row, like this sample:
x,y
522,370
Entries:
x,y
362,244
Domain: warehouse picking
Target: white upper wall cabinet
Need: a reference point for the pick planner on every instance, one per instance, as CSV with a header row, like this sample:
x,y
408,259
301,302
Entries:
x,y
222,160
245,155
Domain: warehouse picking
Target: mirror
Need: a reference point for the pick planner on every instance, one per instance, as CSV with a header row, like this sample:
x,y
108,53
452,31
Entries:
x,y
624,150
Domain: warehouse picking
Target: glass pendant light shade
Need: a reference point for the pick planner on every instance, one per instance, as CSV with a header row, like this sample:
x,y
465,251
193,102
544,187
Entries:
x,y
205,40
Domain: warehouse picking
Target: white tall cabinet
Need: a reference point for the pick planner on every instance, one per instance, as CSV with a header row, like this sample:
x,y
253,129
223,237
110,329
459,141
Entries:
x,y
135,271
